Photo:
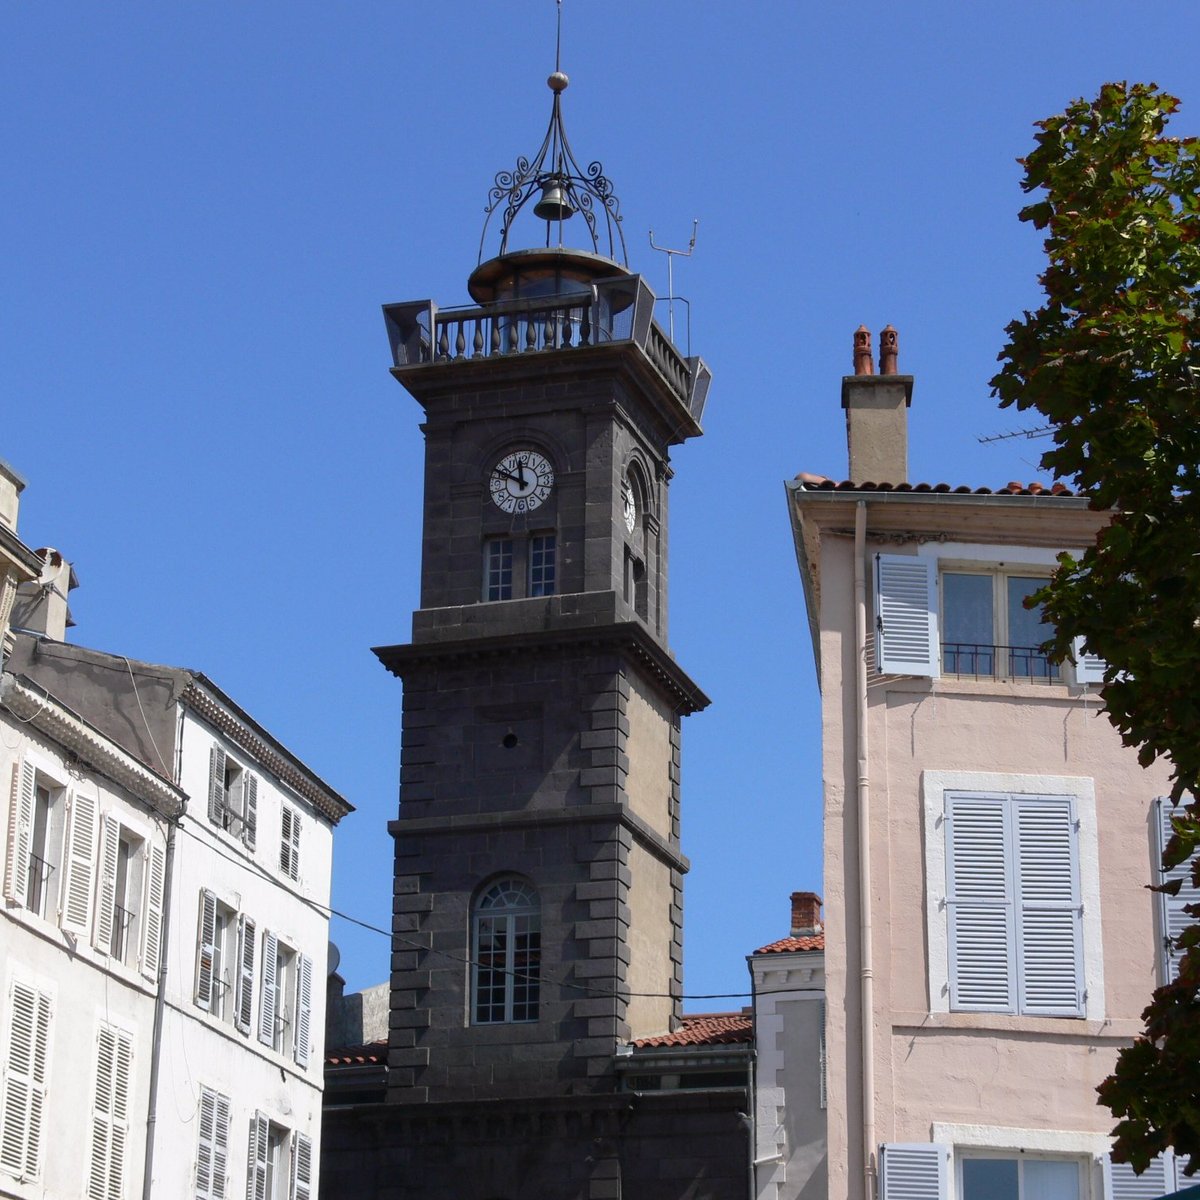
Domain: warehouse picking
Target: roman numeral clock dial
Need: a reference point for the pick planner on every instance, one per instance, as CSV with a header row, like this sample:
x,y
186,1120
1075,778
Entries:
x,y
521,481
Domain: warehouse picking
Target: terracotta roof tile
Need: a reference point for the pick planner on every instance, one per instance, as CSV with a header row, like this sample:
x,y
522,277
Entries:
x,y
372,1054
819,483
706,1029
812,941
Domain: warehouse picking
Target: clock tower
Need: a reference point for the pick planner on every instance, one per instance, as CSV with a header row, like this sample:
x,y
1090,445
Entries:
x,y
537,924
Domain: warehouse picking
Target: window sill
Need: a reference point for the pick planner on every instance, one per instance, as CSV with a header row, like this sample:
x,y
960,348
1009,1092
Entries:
x,y
969,685
1073,1028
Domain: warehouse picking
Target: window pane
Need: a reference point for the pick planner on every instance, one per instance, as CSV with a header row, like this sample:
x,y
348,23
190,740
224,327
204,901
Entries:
x,y
1027,630
1047,1179
497,571
541,565
968,624
989,1179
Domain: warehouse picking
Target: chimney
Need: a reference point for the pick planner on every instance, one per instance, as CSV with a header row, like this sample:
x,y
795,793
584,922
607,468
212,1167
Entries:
x,y
11,487
41,606
877,411
806,914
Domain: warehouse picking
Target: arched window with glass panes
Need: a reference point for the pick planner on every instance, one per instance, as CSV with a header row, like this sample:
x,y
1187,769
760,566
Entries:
x,y
506,950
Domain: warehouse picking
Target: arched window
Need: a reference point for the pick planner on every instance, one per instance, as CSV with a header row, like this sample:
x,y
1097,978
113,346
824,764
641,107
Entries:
x,y
506,942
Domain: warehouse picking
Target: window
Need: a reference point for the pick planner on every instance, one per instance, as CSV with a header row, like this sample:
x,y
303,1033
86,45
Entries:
x,y
289,843
541,564
212,1149
36,831
984,1177
1013,904
986,628
216,957
498,569
26,1066
506,952
280,1162
285,1014
232,797
120,890
110,1114
1173,919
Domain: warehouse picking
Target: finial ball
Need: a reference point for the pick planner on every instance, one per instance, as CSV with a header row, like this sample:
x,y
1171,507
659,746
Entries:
x,y
557,82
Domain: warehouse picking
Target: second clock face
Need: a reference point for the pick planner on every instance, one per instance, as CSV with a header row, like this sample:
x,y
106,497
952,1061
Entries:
x,y
521,481
628,505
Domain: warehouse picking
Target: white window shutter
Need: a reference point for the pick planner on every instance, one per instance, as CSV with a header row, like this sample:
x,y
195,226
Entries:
x,y
1089,668
156,877
244,1002
110,1114
256,1167
301,1167
106,886
80,853
20,830
1049,910
26,1065
249,809
220,1159
266,1016
979,902
1171,908
906,637
1120,1183
206,949
303,1008
216,786
824,1092
914,1172
212,1150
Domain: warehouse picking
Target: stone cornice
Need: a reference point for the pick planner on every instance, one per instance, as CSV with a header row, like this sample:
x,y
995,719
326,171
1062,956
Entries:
x,y
45,714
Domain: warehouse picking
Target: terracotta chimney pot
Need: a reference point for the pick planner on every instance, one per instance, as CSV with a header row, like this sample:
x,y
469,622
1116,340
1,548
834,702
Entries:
x,y
889,350
864,364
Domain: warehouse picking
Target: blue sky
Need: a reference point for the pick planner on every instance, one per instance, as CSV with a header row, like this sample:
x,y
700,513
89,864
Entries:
x,y
206,204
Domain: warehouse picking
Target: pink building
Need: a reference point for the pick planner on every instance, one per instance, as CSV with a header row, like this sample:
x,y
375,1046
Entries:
x,y
988,840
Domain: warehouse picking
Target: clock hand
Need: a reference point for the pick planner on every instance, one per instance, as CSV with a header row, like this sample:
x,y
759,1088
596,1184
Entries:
x,y
509,475
521,475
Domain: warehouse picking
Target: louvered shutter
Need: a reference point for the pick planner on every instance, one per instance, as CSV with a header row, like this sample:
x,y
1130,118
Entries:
x,y
1120,1183
1089,668
245,974
824,1092
206,949
301,1167
220,1158
914,1172
156,877
1171,908
303,1008
1049,912
906,640
81,850
979,904
212,1150
216,786
289,848
25,1069
266,1016
20,830
110,1114
256,1167
106,886
249,809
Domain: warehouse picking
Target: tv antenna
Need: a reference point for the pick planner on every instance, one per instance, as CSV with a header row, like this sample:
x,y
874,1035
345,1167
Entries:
x,y
1039,431
671,256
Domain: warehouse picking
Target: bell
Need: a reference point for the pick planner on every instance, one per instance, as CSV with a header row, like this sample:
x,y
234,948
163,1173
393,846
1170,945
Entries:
x,y
554,205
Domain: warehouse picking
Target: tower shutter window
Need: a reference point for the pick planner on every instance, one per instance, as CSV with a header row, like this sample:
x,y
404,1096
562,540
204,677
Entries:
x,y
81,851
1014,911
249,810
212,1150
914,1172
26,1066
217,800
206,950
153,909
301,1167
1173,919
244,1000
106,891
1089,668
110,1114
1159,1178
303,1008
259,1156
906,638
266,1021
20,832
289,844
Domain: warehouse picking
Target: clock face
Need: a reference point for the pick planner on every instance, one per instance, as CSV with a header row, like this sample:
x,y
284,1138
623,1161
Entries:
x,y
521,481
628,505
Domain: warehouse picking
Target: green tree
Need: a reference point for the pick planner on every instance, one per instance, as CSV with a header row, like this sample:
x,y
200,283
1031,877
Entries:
x,y
1112,361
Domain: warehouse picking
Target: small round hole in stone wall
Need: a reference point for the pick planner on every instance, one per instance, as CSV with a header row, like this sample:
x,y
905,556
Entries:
x,y
508,741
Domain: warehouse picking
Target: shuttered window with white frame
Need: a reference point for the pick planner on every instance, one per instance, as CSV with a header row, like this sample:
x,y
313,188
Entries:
x,y
152,909
1158,1179
258,1159
79,859
212,1149
206,951
1015,918
304,976
302,1167
110,1114
289,843
1173,920
20,832
244,999
906,624
26,1068
914,1171
269,1003
1087,667
106,891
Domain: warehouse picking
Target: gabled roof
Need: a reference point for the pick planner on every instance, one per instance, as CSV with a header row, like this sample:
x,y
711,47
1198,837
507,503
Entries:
x,y
705,1029
789,945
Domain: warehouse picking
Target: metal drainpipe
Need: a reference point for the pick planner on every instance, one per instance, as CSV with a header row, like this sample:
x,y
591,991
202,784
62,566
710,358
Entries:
x,y
866,987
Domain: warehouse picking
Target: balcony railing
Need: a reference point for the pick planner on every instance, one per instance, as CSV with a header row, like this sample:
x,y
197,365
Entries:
x,y
976,661
122,919
37,886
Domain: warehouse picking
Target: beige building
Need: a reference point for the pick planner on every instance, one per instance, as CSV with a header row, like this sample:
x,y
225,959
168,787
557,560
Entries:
x,y
988,840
